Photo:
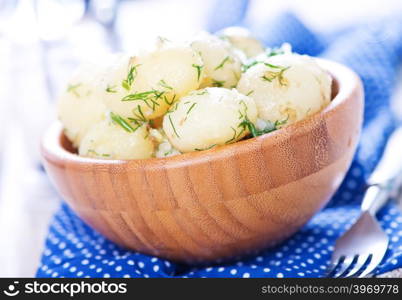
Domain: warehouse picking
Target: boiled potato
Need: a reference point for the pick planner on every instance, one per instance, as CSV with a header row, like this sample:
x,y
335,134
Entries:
x,y
80,105
116,138
207,118
222,65
241,39
287,88
164,147
144,86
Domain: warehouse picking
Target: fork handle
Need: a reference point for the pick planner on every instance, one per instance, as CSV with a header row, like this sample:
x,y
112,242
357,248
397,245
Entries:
x,y
387,176
374,199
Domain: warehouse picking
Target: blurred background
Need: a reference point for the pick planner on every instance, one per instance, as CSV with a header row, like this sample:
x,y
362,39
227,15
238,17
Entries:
x,y
42,41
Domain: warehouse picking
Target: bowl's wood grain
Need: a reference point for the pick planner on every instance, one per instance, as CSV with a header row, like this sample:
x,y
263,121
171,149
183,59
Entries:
x,y
219,203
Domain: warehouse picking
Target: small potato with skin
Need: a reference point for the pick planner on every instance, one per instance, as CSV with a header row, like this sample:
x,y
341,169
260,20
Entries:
x,y
207,118
108,140
144,86
80,105
222,65
287,88
241,38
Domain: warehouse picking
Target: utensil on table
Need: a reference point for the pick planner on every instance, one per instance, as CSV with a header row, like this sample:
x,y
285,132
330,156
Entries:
x,y
361,249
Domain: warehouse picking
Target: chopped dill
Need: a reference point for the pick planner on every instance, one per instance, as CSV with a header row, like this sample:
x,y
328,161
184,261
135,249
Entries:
x,y
72,88
163,39
132,73
202,92
191,107
97,154
167,101
111,89
271,126
92,151
245,67
233,137
146,97
139,116
138,96
174,128
202,149
274,51
198,68
173,108
163,83
168,152
250,92
217,83
271,75
224,61
241,114
121,122
268,53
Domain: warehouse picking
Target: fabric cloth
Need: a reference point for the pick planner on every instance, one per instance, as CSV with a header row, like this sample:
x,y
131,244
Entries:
x,y
374,51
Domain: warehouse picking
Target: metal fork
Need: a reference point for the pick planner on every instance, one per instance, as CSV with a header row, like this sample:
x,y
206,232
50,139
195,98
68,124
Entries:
x,y
361,249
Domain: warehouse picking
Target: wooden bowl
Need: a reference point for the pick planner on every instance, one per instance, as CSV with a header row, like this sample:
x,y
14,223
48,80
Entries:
x,y
220,203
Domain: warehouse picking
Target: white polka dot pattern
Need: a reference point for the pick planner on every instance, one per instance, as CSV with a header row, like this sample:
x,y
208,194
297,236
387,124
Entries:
x,y
306,254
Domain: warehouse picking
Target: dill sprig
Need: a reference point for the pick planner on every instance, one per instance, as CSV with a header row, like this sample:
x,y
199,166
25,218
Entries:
x,y
121,122
132,73
174,128
72,88
148,97
224,61
217,83
138,96
198,68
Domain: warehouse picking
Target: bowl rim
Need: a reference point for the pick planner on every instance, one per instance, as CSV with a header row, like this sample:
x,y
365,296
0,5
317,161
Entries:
x,y
347,81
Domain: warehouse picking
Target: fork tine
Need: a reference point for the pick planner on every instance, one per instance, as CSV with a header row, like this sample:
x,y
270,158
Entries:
x,y
360,261
347,262
331,268
335,262
375,261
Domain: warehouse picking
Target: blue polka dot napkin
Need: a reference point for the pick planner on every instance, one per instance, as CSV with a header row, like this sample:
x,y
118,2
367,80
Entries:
x,y
374,51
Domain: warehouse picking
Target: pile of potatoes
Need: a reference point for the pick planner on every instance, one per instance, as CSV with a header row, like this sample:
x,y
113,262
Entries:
x,y
183,97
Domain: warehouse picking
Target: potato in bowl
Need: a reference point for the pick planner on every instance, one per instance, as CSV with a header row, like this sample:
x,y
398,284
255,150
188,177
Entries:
x,y
214,204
